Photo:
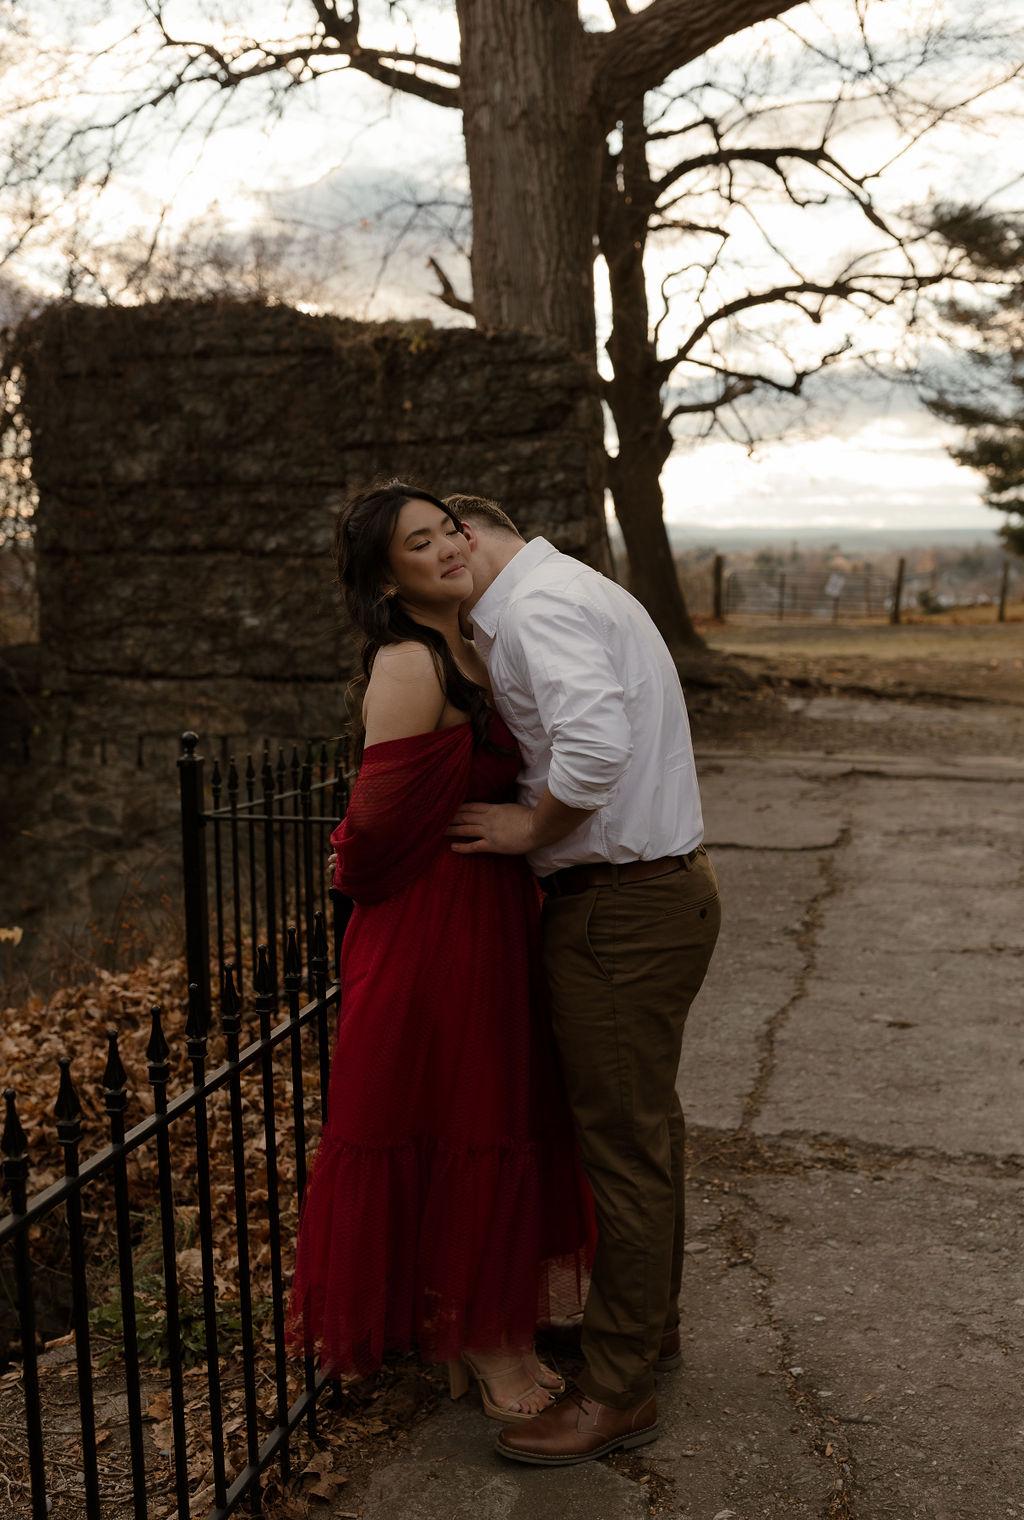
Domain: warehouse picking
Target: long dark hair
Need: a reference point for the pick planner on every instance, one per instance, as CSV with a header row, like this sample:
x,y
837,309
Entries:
x,y
362,537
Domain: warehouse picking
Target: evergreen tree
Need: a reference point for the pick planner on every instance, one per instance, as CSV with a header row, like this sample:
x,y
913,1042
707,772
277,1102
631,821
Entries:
x,y
985,396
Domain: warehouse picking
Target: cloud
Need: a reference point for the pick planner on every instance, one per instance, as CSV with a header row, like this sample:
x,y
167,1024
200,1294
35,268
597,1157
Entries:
x,y
868,472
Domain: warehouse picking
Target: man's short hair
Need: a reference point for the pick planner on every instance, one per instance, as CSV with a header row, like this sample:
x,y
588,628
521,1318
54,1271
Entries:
x,y
482,512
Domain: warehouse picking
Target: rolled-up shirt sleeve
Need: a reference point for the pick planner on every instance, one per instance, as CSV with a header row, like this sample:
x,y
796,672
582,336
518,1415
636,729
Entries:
x,y
560,652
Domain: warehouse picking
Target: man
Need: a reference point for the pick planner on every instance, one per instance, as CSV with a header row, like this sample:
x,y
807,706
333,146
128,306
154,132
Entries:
x,y
609,816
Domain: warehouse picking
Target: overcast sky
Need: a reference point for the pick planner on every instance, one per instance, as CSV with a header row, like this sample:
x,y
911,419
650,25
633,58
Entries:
x,y
346,163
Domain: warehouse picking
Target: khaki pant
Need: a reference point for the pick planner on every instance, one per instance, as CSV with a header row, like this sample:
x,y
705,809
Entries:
x,y
624,963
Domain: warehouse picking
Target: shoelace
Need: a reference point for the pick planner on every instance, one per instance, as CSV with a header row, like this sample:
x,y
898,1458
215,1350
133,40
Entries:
x,y
572,1391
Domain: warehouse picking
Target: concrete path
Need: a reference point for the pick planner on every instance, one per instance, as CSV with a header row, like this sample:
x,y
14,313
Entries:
x,y
853,1075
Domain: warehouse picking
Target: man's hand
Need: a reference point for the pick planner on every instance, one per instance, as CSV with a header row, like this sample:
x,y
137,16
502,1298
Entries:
x,y
508,828
496,828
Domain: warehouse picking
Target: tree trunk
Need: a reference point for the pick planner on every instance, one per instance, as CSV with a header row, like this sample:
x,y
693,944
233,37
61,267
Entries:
x,y
538,95
534,147
635,480
634,392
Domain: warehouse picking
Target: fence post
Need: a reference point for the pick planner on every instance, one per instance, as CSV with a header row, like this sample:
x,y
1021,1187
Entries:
x,y
718,574
14,1150
193,859
782,596
1004,586
115,1101
68,1114
897,591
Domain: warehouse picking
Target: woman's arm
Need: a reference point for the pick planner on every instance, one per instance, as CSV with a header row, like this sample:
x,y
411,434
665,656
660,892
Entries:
x,y
404,695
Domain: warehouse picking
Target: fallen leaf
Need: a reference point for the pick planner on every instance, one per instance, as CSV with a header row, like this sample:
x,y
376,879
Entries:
x,y
159,1407
190,1263
326,1487
202,1500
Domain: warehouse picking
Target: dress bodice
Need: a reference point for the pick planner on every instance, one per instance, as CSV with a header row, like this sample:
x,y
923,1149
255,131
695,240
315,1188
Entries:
x,y
494,768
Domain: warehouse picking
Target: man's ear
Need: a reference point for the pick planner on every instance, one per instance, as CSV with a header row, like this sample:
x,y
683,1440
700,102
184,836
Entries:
x,y
470,534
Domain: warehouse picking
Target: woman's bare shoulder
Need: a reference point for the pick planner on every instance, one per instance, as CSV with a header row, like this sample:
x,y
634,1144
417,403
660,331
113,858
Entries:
x,y
404,695
408,661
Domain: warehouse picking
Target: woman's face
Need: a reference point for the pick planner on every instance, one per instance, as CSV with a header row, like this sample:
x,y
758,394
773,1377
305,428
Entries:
x,y
428,558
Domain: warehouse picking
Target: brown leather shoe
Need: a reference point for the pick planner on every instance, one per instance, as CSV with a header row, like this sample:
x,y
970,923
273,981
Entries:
x,y
670,1355
577,1429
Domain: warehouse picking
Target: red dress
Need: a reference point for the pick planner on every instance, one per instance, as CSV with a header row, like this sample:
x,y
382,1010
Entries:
x,y
446,1208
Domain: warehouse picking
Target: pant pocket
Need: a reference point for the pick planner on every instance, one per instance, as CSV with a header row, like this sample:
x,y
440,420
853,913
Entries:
x,y
601,964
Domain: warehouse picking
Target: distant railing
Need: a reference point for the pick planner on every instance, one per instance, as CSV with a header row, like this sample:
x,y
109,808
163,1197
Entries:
x,y
806,594
711,591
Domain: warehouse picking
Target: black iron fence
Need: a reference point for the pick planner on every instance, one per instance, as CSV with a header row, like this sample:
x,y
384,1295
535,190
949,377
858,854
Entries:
x,y
255,860
256,893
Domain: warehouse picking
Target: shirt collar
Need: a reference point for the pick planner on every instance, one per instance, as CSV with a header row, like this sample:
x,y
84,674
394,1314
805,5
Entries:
x,y
487,613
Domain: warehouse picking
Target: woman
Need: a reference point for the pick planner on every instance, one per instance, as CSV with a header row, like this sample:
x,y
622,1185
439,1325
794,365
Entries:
x,y
446,1208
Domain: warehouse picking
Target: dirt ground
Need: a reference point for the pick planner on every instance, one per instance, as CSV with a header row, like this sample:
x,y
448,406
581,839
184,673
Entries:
x,y
917,689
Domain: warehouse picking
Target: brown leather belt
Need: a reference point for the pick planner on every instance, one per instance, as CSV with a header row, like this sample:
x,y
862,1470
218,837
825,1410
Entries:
x,y
603,873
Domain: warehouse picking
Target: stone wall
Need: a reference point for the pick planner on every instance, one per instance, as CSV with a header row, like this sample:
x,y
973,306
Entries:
x,y
189,460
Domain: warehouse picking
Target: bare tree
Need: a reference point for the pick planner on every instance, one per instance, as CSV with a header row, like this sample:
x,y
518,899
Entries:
x,y
694,170
574,144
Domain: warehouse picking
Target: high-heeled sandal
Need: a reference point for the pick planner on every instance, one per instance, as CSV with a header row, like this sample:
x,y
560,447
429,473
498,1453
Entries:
x,y
458,1384
557,1385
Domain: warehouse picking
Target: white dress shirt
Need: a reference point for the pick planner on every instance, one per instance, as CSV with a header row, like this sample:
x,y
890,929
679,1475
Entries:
x,y
583,679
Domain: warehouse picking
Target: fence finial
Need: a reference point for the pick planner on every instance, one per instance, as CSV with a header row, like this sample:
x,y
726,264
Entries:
x,y
189,741
292,957
158,1050
319,946
264,982
67,1110
13,1141
197,1026
230,1002
115,1078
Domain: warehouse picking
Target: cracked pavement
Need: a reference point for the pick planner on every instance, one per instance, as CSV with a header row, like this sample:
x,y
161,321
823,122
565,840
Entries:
x,y
853,1302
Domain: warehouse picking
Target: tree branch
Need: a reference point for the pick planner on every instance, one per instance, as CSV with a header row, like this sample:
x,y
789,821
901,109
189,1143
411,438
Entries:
x,y
338,45
841,289
732,389
649,45
447,292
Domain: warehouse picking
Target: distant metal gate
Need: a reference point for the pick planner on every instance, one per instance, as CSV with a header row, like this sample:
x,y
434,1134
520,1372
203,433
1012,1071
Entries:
x,y
807,594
